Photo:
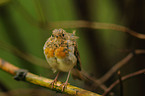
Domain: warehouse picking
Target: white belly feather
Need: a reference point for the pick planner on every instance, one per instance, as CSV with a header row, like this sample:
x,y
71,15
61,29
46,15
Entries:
x,y
67,64
64,64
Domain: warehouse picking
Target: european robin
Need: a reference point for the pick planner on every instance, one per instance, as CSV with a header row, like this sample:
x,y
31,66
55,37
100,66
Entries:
x,y
62,54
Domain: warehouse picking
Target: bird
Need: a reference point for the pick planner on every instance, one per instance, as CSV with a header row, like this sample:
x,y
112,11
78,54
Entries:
x,y
62,55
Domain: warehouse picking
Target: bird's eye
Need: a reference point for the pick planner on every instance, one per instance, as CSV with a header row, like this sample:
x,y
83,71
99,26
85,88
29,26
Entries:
x,y
63,35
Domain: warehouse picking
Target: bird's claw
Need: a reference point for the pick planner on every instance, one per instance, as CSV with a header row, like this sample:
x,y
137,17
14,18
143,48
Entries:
x,y
64,85
54,82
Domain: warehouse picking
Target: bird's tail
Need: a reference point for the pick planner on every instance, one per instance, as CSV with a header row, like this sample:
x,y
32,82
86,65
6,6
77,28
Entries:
x,y
81,75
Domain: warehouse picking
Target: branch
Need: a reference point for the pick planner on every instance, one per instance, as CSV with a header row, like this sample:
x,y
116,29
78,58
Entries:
x,y
26,56
119,65
74,24
121,83
45,82
77,24
93,25
115,68
123,78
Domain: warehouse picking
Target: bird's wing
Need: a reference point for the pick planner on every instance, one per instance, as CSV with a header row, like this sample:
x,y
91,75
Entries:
x,y
76,52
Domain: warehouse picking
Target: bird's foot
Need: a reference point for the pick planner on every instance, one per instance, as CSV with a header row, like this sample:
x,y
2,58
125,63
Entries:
x,y
64,85
54,82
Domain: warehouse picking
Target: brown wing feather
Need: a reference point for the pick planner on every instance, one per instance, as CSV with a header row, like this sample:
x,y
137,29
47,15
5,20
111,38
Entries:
x,y
78,65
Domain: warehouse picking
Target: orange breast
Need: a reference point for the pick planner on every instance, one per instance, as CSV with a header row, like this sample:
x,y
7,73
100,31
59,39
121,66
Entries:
x,y
49,52
61,52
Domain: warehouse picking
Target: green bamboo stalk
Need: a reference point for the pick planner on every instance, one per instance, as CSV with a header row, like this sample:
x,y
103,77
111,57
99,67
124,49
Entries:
x,y
46,82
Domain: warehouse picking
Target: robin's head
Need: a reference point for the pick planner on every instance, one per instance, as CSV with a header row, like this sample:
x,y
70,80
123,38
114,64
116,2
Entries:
x,y
59,33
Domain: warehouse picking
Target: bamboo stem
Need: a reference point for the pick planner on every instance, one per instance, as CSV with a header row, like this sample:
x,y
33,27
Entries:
x,y
45,82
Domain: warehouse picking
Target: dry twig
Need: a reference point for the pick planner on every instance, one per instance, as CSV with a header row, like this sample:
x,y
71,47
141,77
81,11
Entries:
x,y
119,65
26,56
123,78
93,25
120,82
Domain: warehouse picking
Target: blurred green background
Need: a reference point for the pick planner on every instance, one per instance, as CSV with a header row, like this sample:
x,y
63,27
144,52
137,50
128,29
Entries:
x,y
24,26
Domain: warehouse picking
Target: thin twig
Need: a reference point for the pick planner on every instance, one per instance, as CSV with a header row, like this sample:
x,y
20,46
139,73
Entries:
x,y
123,78
78,24
119,65
121,83
26,56
115,68
93,25
93,81
75,24
45,82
